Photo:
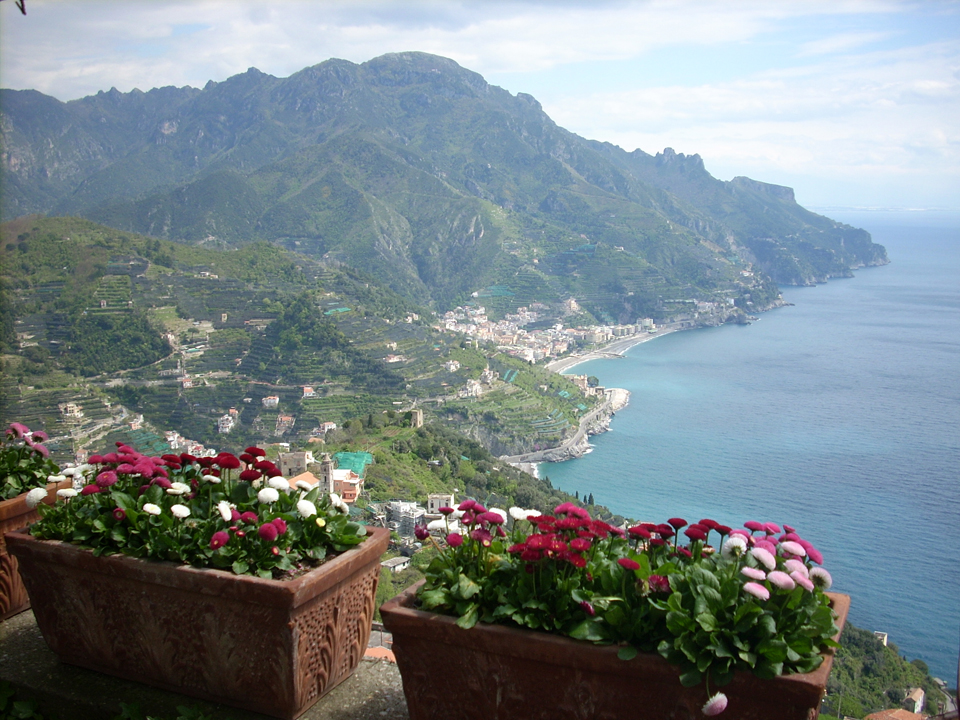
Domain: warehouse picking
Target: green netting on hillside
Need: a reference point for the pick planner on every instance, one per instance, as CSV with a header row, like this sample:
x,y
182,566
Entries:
x,y
356,461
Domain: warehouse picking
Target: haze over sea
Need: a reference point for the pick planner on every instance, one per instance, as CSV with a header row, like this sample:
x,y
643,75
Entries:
x,y
839,415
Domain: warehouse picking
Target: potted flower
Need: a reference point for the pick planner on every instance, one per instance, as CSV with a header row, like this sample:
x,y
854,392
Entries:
x,y
209,576
29,478
566,616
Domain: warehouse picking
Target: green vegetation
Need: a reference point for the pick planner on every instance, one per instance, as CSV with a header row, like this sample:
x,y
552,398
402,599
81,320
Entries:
x,y
868,676
428,179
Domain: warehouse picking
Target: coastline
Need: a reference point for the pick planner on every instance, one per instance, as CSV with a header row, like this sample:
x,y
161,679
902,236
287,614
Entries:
x,y
615,348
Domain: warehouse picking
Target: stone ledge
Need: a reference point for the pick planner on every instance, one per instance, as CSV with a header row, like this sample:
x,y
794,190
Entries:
x,y
66,692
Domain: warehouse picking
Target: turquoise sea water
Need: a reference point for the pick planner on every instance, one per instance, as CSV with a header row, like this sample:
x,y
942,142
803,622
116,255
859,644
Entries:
x,y
839,415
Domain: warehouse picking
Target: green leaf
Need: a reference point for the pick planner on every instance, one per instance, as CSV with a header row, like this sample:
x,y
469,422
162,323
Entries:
x,y
468,588
627,652
240,567
690,677
707,621
591,630
469,618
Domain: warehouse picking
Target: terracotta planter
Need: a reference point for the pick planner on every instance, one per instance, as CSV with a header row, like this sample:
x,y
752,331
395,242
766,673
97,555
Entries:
x,y
14,514
493,671
270,646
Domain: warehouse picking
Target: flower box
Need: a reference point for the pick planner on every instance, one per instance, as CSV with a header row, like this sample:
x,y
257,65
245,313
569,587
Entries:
x,y
270,646
494,671
15,514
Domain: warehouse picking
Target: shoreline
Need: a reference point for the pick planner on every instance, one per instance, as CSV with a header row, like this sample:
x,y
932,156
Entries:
x,y
598,420
615,348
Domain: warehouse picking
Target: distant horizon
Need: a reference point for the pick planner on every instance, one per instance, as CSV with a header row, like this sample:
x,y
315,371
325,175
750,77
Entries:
x,y
850,103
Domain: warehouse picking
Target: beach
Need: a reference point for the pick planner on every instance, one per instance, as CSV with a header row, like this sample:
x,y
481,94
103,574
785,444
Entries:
x,y
615,348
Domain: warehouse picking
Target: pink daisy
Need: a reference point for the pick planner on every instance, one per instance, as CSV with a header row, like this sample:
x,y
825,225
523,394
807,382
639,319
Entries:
x,y
757,590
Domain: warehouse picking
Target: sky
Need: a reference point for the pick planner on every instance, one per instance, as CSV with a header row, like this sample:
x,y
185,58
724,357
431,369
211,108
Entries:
x,y
853,103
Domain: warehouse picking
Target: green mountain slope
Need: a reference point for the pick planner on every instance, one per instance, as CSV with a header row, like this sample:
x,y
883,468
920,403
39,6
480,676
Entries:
x,y
422,174
92,317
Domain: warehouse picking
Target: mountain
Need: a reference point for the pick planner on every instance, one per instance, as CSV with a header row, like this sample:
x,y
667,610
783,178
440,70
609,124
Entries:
x,y
427,177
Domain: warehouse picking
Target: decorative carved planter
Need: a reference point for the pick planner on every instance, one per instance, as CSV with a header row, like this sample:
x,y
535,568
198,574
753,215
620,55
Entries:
x,y
493,671
14,514
271,646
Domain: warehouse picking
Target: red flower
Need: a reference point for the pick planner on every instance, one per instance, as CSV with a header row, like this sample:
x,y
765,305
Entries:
x,y
188,458
677,523
530,555
250,475
219,539
710,524
639,531
119,514
683,551
445,510
227,461
420,532
268,531
659,584
491,517
587,608
695,532
281,525
275,550
247,458
580,544
90,490
162,482
575,559
628,564
252,450
95,459
723,530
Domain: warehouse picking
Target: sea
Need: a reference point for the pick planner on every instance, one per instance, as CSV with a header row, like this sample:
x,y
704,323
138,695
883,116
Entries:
x,y
838,415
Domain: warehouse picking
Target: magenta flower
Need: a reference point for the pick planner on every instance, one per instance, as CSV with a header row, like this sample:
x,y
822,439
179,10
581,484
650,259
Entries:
x,y
587,608
639,531
677,523
802,580
40,436
753,573
445,510
757,590
715,705
794,548
781,580
219,539
249,517
107,478
119,514
268,531
467,504
92,489
18,430
482,536
695,532
793,565
421,533
753,526
812,552
491,517
628,564
454,539
771,528
281,525
764,556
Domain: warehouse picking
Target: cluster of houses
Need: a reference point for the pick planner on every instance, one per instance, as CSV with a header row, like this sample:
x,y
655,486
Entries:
x,y
511,337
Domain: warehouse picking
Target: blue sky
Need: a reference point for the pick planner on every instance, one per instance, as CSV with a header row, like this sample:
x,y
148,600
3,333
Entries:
x,y
854,103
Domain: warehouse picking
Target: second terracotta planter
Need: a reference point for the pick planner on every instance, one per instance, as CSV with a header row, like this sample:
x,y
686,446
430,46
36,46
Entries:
x,y
493,671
